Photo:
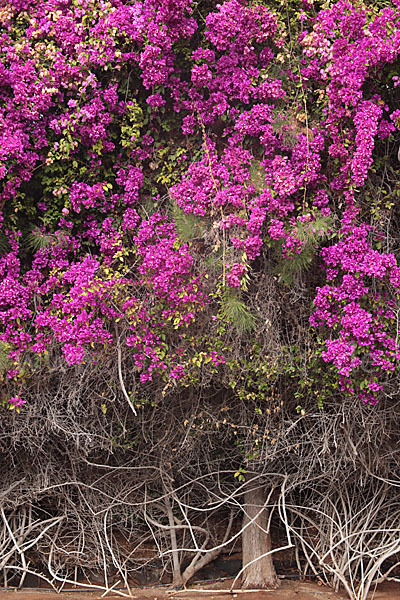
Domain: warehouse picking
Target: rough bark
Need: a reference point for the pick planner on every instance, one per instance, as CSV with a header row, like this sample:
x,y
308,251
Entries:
x,y
256,541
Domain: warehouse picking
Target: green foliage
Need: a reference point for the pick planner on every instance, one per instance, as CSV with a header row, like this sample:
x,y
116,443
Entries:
x,y
171,163
240,475
4,245
37,240
310,234
287,270
285,128
132,125
188,226
257,175
235,311
4,358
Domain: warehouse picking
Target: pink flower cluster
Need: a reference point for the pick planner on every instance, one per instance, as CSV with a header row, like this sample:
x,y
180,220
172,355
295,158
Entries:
x,y
363,321
88,93
347,51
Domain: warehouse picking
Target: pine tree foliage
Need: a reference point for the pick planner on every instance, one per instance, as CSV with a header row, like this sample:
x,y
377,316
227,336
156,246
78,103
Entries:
x,y
285,128
257,175
188,226
235,311
4,246
37,240
311,235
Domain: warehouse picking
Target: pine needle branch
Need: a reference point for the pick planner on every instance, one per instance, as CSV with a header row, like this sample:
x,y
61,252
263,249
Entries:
x,y
235,311
188,226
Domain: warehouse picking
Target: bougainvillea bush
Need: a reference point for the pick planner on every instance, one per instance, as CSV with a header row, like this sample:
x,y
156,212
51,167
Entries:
x,y
159,159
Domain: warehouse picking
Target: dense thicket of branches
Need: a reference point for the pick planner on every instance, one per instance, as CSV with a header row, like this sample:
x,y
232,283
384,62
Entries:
x,y
199,294
87,495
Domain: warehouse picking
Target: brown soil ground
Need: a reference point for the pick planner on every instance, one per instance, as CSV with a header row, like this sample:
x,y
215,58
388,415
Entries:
x,y
289,590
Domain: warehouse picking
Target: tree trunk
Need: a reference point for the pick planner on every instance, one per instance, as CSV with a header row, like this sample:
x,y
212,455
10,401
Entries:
x,y
256,541
177,581
199,561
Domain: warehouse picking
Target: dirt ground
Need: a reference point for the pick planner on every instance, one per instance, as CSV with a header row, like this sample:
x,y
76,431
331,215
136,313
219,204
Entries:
x,y
289,590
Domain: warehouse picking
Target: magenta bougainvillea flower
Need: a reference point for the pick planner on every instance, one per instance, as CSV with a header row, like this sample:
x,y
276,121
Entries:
x,y
269,151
